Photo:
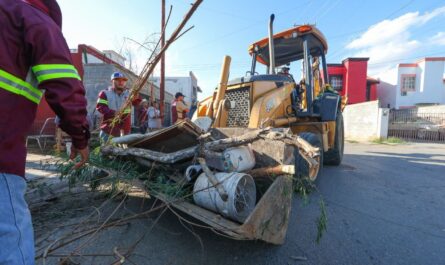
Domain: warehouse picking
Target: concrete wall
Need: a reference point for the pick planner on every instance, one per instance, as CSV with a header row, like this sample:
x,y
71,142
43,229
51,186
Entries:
x,y
365,121
386,94
434,86
187,85
431,109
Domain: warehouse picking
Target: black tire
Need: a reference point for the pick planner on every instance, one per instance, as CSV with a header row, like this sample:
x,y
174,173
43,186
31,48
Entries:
x,y
334,156
302,167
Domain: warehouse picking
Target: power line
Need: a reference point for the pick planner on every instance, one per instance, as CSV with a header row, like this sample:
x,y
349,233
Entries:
x,y
256,23
327,10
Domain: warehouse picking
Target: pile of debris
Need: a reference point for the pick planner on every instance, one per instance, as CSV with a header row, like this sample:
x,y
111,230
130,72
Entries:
x,y
240,179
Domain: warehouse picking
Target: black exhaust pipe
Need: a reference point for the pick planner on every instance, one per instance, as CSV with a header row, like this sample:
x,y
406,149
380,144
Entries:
x,y
271,46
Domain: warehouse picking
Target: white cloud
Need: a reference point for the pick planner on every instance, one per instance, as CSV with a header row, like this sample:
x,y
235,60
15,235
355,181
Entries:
x,y
397,28
388,41
438,39
387,74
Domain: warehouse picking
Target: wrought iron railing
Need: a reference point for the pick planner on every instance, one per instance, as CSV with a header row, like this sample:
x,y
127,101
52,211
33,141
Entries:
x,y
414,126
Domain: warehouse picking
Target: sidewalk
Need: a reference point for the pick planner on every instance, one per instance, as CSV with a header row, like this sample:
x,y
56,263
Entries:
x,y
38,167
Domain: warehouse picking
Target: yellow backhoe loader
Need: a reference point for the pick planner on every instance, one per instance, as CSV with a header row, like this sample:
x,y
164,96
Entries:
x,y
309,107
264,113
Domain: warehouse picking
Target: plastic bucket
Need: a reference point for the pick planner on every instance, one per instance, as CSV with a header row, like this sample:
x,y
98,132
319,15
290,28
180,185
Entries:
x,y
238,159
241,190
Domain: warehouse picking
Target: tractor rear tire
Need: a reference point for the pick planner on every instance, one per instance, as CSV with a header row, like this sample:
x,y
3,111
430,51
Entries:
x,y
334,156
302,167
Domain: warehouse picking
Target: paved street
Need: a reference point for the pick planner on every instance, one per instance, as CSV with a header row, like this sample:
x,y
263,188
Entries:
x,y
385,205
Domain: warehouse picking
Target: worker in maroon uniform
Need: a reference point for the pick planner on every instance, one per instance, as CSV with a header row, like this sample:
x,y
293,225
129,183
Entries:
x,y
33,56
179,108
109,102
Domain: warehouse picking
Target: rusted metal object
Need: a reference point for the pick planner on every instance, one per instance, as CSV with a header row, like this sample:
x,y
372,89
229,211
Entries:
x,y
171,139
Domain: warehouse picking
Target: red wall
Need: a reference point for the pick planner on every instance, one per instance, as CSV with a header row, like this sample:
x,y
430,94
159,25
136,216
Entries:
x,y
338,70
43,112
373,92
354,72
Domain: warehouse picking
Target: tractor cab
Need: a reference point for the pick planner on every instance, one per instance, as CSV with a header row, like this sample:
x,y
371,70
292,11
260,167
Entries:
x,y
303,43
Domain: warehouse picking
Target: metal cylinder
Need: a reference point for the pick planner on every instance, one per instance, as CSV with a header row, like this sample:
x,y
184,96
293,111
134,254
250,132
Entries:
x,y
238,159
241,192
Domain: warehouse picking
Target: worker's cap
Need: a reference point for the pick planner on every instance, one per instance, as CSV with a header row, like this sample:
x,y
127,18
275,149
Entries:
x,y
118,75
179,94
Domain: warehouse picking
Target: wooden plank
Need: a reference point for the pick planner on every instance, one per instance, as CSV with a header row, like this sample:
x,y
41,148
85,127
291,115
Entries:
x,y
270,218
210,218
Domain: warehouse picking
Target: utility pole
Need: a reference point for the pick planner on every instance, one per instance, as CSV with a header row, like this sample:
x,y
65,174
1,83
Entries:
x,y
162,76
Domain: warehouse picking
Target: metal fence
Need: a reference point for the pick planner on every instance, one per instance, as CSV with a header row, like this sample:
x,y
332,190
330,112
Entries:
x,y
418,127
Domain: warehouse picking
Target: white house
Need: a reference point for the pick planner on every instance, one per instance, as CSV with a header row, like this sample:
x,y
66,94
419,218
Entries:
x,y
419,83
187,85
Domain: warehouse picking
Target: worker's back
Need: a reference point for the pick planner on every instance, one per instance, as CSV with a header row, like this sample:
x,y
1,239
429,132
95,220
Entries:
x,y
34,55
16,95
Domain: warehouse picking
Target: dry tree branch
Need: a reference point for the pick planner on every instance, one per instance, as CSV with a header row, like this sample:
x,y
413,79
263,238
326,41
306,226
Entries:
x,y
81,234
117,118
150,65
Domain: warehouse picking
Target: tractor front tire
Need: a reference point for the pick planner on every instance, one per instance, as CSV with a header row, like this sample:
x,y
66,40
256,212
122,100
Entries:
x,y
302,166
334,155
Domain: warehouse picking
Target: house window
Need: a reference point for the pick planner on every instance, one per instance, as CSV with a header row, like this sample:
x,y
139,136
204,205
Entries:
x,y
408,84
336,82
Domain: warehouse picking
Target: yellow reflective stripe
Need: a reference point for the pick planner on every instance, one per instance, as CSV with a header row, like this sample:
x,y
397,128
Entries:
x,y
43,67
19,87
20,82
42,78
102,101
19,92
45,72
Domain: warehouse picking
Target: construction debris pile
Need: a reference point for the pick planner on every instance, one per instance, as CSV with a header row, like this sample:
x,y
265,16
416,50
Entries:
x,y
227,172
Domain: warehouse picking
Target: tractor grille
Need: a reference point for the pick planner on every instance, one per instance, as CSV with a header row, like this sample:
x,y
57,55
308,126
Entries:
x,y
239,116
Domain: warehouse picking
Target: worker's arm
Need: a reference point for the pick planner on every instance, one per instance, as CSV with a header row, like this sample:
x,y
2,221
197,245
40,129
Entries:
x,y
136,100
102,106
180,107
52,66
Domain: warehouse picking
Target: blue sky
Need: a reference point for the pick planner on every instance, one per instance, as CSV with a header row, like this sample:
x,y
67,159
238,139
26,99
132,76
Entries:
x,y
389,32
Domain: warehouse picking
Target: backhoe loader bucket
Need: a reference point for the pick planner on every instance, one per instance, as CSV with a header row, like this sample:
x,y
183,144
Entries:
x,y
270,217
